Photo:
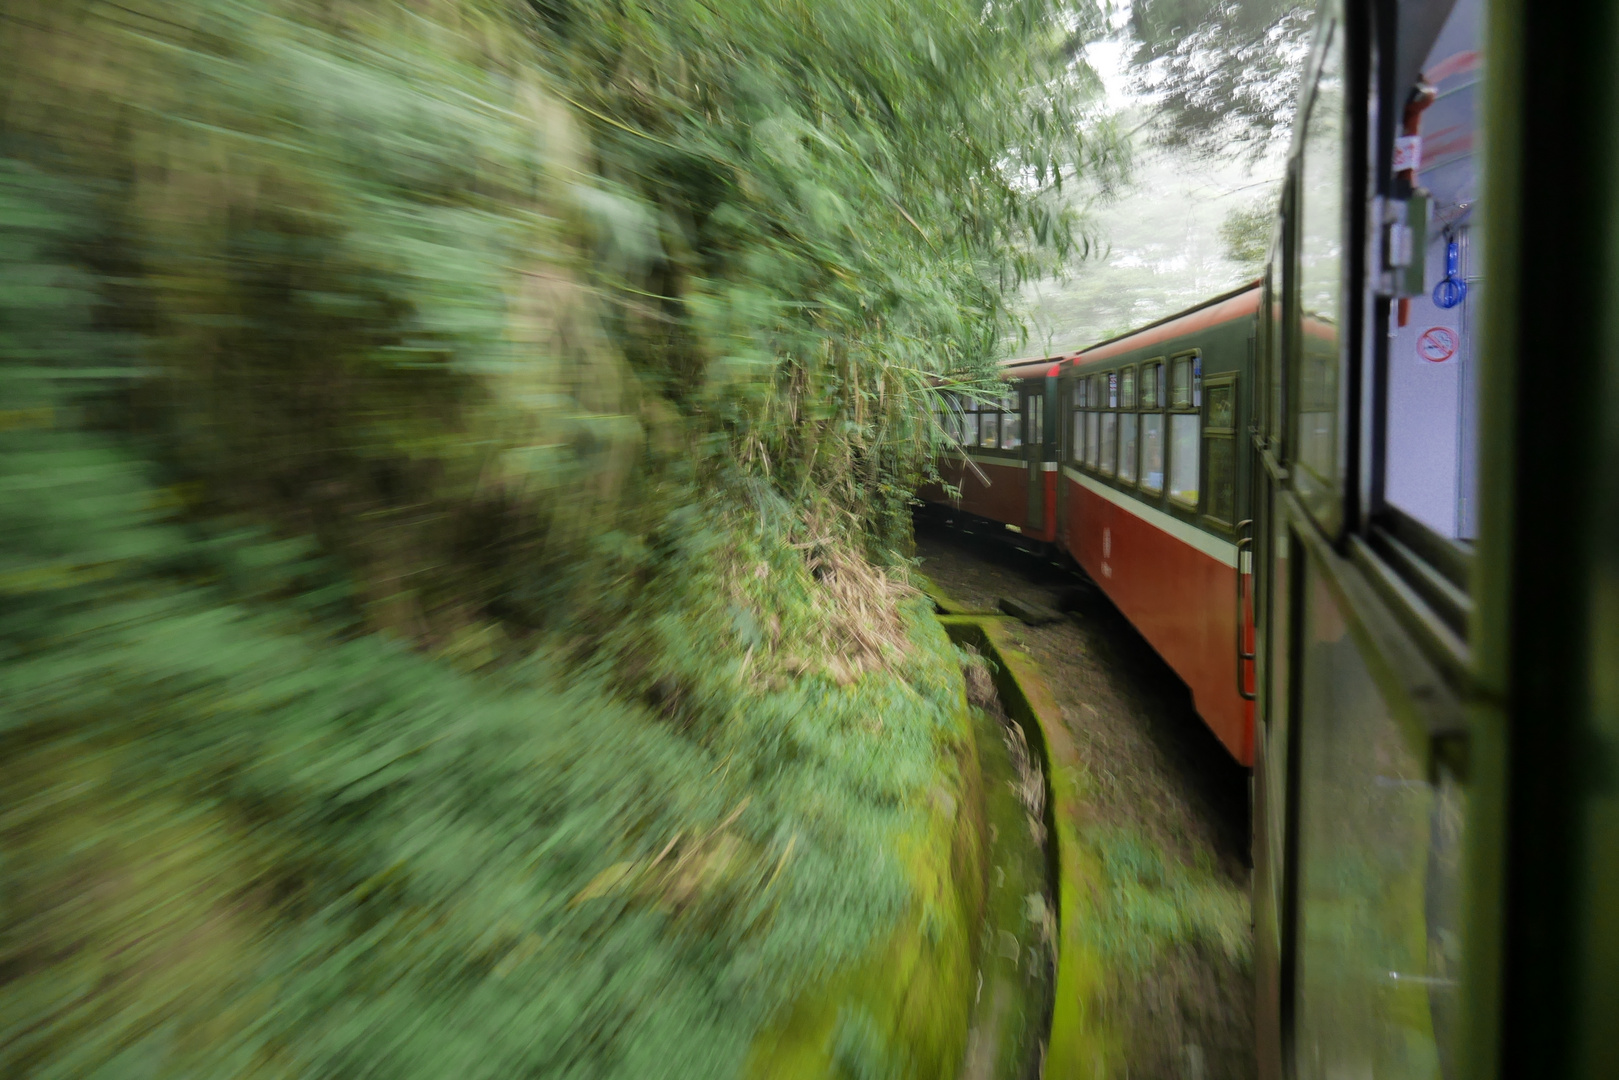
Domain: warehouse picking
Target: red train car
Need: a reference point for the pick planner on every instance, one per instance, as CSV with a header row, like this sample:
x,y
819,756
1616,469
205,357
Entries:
x,y
1125,456
1006,469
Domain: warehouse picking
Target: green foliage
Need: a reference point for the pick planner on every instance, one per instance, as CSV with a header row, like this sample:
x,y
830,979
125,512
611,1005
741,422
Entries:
x,y
443,449
1245,233
1226,71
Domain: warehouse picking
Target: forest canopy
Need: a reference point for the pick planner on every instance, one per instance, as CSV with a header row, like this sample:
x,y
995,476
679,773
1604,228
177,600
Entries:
x,y
1224,73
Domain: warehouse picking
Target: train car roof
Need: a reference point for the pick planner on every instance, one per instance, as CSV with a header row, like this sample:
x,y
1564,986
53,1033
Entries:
x,y
1029,368
1243,300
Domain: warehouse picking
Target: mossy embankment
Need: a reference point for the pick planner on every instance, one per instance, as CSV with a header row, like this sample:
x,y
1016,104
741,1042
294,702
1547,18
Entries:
x,y
1157,817
1135,925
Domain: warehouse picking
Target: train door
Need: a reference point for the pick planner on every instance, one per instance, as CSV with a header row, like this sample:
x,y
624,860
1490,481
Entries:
x,y
1065,446
1034,453
1362,667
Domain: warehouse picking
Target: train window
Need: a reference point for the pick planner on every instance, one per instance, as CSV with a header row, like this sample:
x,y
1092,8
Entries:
x,y
1431,419
1222,405
969,429
1110,426
1149,385
1127,447
1076,446
1093,433
1113,389
1127,388
1152,451
1011,431
1219,449
1183,457
1320,288
1180,392
989,430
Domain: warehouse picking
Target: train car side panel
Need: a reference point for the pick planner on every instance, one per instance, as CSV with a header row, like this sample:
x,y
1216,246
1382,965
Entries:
x,y
994,488
1172,582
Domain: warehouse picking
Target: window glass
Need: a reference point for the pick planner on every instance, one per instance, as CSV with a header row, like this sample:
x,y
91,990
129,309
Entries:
x,y
1127,388
1096,392
1152,451
969,429
1222,403
1180,394
989,430
1081,398
1110,424
1381,828
1035,424
1127,447
1113,389
1093,439
1149,386
1431,449
1183,450
1011,431
1320,256
1076,449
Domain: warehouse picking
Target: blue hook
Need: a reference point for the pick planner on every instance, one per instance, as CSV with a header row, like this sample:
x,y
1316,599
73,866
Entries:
x,y
1453,290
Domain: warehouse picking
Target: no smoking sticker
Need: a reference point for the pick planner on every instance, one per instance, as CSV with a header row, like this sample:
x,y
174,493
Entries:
x,y
1437,344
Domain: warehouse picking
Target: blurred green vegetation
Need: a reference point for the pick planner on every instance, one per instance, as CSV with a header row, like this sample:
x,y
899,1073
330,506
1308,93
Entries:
x,y
455,459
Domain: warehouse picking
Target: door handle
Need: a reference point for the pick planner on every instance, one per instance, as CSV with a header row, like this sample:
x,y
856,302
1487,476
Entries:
x,y
1245,543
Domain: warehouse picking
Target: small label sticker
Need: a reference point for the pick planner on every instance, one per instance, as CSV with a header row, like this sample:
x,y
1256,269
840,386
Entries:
x,y
1408,153
1437,344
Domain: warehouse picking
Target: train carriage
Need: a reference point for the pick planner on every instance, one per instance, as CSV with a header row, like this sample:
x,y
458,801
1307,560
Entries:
x,y
1006,468
1125,457
1151,485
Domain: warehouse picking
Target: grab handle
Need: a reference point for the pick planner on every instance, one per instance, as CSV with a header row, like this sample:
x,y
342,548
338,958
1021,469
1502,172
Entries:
x,y
1245,542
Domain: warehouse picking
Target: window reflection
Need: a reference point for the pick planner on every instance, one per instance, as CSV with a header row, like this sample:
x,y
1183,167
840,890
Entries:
x,y
1152,451
1319,275
1127,447
1183,457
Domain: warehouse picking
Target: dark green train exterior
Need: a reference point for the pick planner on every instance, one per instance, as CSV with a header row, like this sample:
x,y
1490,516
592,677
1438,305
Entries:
x,y
1434,445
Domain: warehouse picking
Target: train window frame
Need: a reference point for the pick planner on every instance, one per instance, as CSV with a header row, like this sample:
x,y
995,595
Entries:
x,y
1174,365
1128,385
1011,409
1156,364
1208,432
1323,497
1081,417
1157,407
1093,431
1193,359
